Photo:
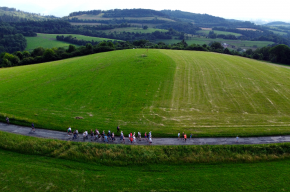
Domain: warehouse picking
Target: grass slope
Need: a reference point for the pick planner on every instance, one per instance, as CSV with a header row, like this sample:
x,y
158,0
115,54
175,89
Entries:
x,y
207,94
105,89
35,173
49,40
206,32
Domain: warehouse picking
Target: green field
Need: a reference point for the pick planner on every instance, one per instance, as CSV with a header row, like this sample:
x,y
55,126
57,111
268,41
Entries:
x,y
42,40
134,29
278,32
206,32
36,173
205,93
49,40
236,43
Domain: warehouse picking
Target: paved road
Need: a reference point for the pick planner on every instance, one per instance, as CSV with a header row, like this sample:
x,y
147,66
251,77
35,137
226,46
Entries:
x,y
44,133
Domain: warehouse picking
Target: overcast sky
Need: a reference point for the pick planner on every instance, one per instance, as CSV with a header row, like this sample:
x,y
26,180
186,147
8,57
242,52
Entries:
x,y
230,9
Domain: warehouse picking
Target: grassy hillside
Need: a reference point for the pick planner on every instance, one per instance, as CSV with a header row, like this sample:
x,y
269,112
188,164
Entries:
x,y
100,17
204,93
206,32
134,29
35,173
49,40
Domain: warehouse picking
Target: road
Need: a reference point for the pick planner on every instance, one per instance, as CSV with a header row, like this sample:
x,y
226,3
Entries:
x,y
44,133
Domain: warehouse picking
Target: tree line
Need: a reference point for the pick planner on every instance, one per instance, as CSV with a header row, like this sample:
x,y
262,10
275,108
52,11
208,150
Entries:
x,y
278,53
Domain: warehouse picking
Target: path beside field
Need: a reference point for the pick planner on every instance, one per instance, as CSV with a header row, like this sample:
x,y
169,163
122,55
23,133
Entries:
x,y
44,133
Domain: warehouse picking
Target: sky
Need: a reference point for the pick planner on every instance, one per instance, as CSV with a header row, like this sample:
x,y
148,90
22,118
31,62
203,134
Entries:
x,y
230,9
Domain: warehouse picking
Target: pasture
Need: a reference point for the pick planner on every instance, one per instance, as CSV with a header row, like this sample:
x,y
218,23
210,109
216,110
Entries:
x,y
42,40
206,32
49,40
203,93
278,32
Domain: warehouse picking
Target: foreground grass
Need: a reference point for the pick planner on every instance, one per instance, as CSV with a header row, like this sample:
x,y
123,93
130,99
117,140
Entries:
x,y
120,155
37,173
168,91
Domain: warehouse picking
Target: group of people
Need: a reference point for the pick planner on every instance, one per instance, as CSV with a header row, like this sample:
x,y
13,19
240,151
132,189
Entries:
x,y
32,125
184,136
132,137
110,136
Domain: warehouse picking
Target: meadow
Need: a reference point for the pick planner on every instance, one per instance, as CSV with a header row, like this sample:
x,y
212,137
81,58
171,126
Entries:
x,y
236,43
44,41
203,93
49,40
35,173
206,32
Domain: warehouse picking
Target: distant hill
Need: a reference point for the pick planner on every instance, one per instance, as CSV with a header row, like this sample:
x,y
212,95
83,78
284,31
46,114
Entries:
x,y
12,15
277,23
145,16
193,17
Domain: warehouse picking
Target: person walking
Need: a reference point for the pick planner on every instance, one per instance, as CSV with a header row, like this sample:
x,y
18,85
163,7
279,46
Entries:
x,y
178,135
134,139
92,135
113,137
32,127
190,135
150,140
7,120
74,135
185,137
68,131
122,135
131,137
109,135
84,135
123,139
139,136
237,139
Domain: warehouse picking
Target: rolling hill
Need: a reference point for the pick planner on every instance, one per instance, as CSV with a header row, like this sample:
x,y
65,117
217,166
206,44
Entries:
x,y
168,91
12,15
